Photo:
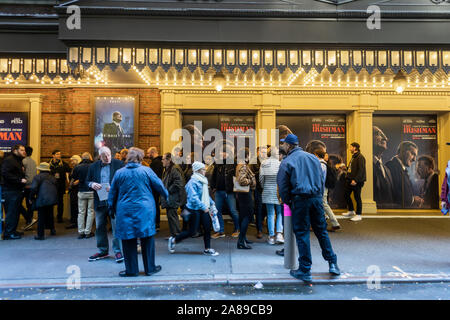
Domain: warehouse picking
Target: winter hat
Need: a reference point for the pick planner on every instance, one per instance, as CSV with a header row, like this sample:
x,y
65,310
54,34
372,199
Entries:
x,y
197,166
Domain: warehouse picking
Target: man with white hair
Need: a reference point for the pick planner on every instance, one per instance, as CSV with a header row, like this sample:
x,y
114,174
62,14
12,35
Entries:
x,y
100,175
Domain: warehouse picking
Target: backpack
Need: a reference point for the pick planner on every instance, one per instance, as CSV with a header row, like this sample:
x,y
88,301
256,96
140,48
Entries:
x,y
331,178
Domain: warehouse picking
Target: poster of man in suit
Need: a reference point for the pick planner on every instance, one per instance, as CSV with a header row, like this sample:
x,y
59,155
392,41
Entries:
x,y
114,123
404,162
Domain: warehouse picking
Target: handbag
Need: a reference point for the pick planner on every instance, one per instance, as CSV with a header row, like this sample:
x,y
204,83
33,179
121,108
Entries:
x,y
214,218
238,188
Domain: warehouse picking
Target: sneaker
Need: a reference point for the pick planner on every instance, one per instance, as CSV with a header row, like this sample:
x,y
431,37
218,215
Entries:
x,y
119,257
235,234
271,240
218,235
81,236
304,276
211,252
98,256
29,225
356,218
171,245
279,239
349,214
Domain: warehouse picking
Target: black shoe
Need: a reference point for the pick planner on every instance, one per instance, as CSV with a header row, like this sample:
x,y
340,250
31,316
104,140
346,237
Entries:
x,y
81,236
72,226
280,252
334,269
248,241
243,246
39,238
90,235
125,274
53,232
157,269
12,237
17,233
304,276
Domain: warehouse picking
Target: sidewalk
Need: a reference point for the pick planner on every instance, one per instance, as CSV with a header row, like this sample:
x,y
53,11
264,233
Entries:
x,y
404,249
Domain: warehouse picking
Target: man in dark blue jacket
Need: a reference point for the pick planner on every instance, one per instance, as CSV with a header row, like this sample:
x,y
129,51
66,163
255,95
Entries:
x,y
100,175
300,185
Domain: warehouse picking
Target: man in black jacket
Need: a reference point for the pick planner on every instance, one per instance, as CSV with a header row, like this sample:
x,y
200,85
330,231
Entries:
x,y
222,186
157,167
13,176
60,170
85,197
100,175
356,176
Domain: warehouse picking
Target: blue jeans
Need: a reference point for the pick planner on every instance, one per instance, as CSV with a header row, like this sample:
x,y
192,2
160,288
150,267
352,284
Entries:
x,y
221,197
308,212
271,218
101,232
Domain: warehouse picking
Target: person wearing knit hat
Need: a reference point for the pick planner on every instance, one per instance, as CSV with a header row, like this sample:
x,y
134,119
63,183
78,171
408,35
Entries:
x,y
199,203
44,195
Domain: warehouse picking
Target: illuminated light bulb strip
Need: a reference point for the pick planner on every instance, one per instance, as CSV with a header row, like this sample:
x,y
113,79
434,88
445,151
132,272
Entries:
x,y
142,75
294,76
310,77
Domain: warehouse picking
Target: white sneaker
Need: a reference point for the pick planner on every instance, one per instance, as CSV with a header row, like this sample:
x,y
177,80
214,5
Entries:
x,y
349,214
171,244
271,240
211,252
279,239
356,218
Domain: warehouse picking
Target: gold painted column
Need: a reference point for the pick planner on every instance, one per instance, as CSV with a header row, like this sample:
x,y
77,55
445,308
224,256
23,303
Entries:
x,y
35,126
266,120
360,130
170,121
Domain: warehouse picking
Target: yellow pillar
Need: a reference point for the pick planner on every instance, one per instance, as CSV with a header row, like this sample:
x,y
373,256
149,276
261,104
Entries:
x,y
266,121
35,126
170,121
360,130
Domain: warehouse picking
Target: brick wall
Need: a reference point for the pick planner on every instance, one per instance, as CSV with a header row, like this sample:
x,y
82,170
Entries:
x,y
66,118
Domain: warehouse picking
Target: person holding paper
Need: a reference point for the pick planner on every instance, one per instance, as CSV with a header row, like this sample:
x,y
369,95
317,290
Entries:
x,y
99,178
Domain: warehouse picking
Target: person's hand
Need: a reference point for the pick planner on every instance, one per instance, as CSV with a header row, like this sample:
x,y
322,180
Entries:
x,y
23,180
207,210
96,186
353,183
76,182
107,189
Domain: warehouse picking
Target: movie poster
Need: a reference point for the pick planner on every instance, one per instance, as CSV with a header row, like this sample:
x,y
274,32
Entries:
x,y
331,130
236,126
405,162
13,130
114,123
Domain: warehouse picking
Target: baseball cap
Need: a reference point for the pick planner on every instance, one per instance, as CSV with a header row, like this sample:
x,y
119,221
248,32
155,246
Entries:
x,y
291,139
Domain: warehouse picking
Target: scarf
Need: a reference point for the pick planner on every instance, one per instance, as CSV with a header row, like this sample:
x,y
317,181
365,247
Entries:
x,y
205,192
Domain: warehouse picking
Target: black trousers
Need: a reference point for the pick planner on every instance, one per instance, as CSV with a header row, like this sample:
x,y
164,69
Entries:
x,y
197,217
29,211
131,256
73,206
158,210
45,220
12,203
246,205
61,192
356,193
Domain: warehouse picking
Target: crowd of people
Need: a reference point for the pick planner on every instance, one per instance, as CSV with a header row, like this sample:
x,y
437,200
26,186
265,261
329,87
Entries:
x,y
129,190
